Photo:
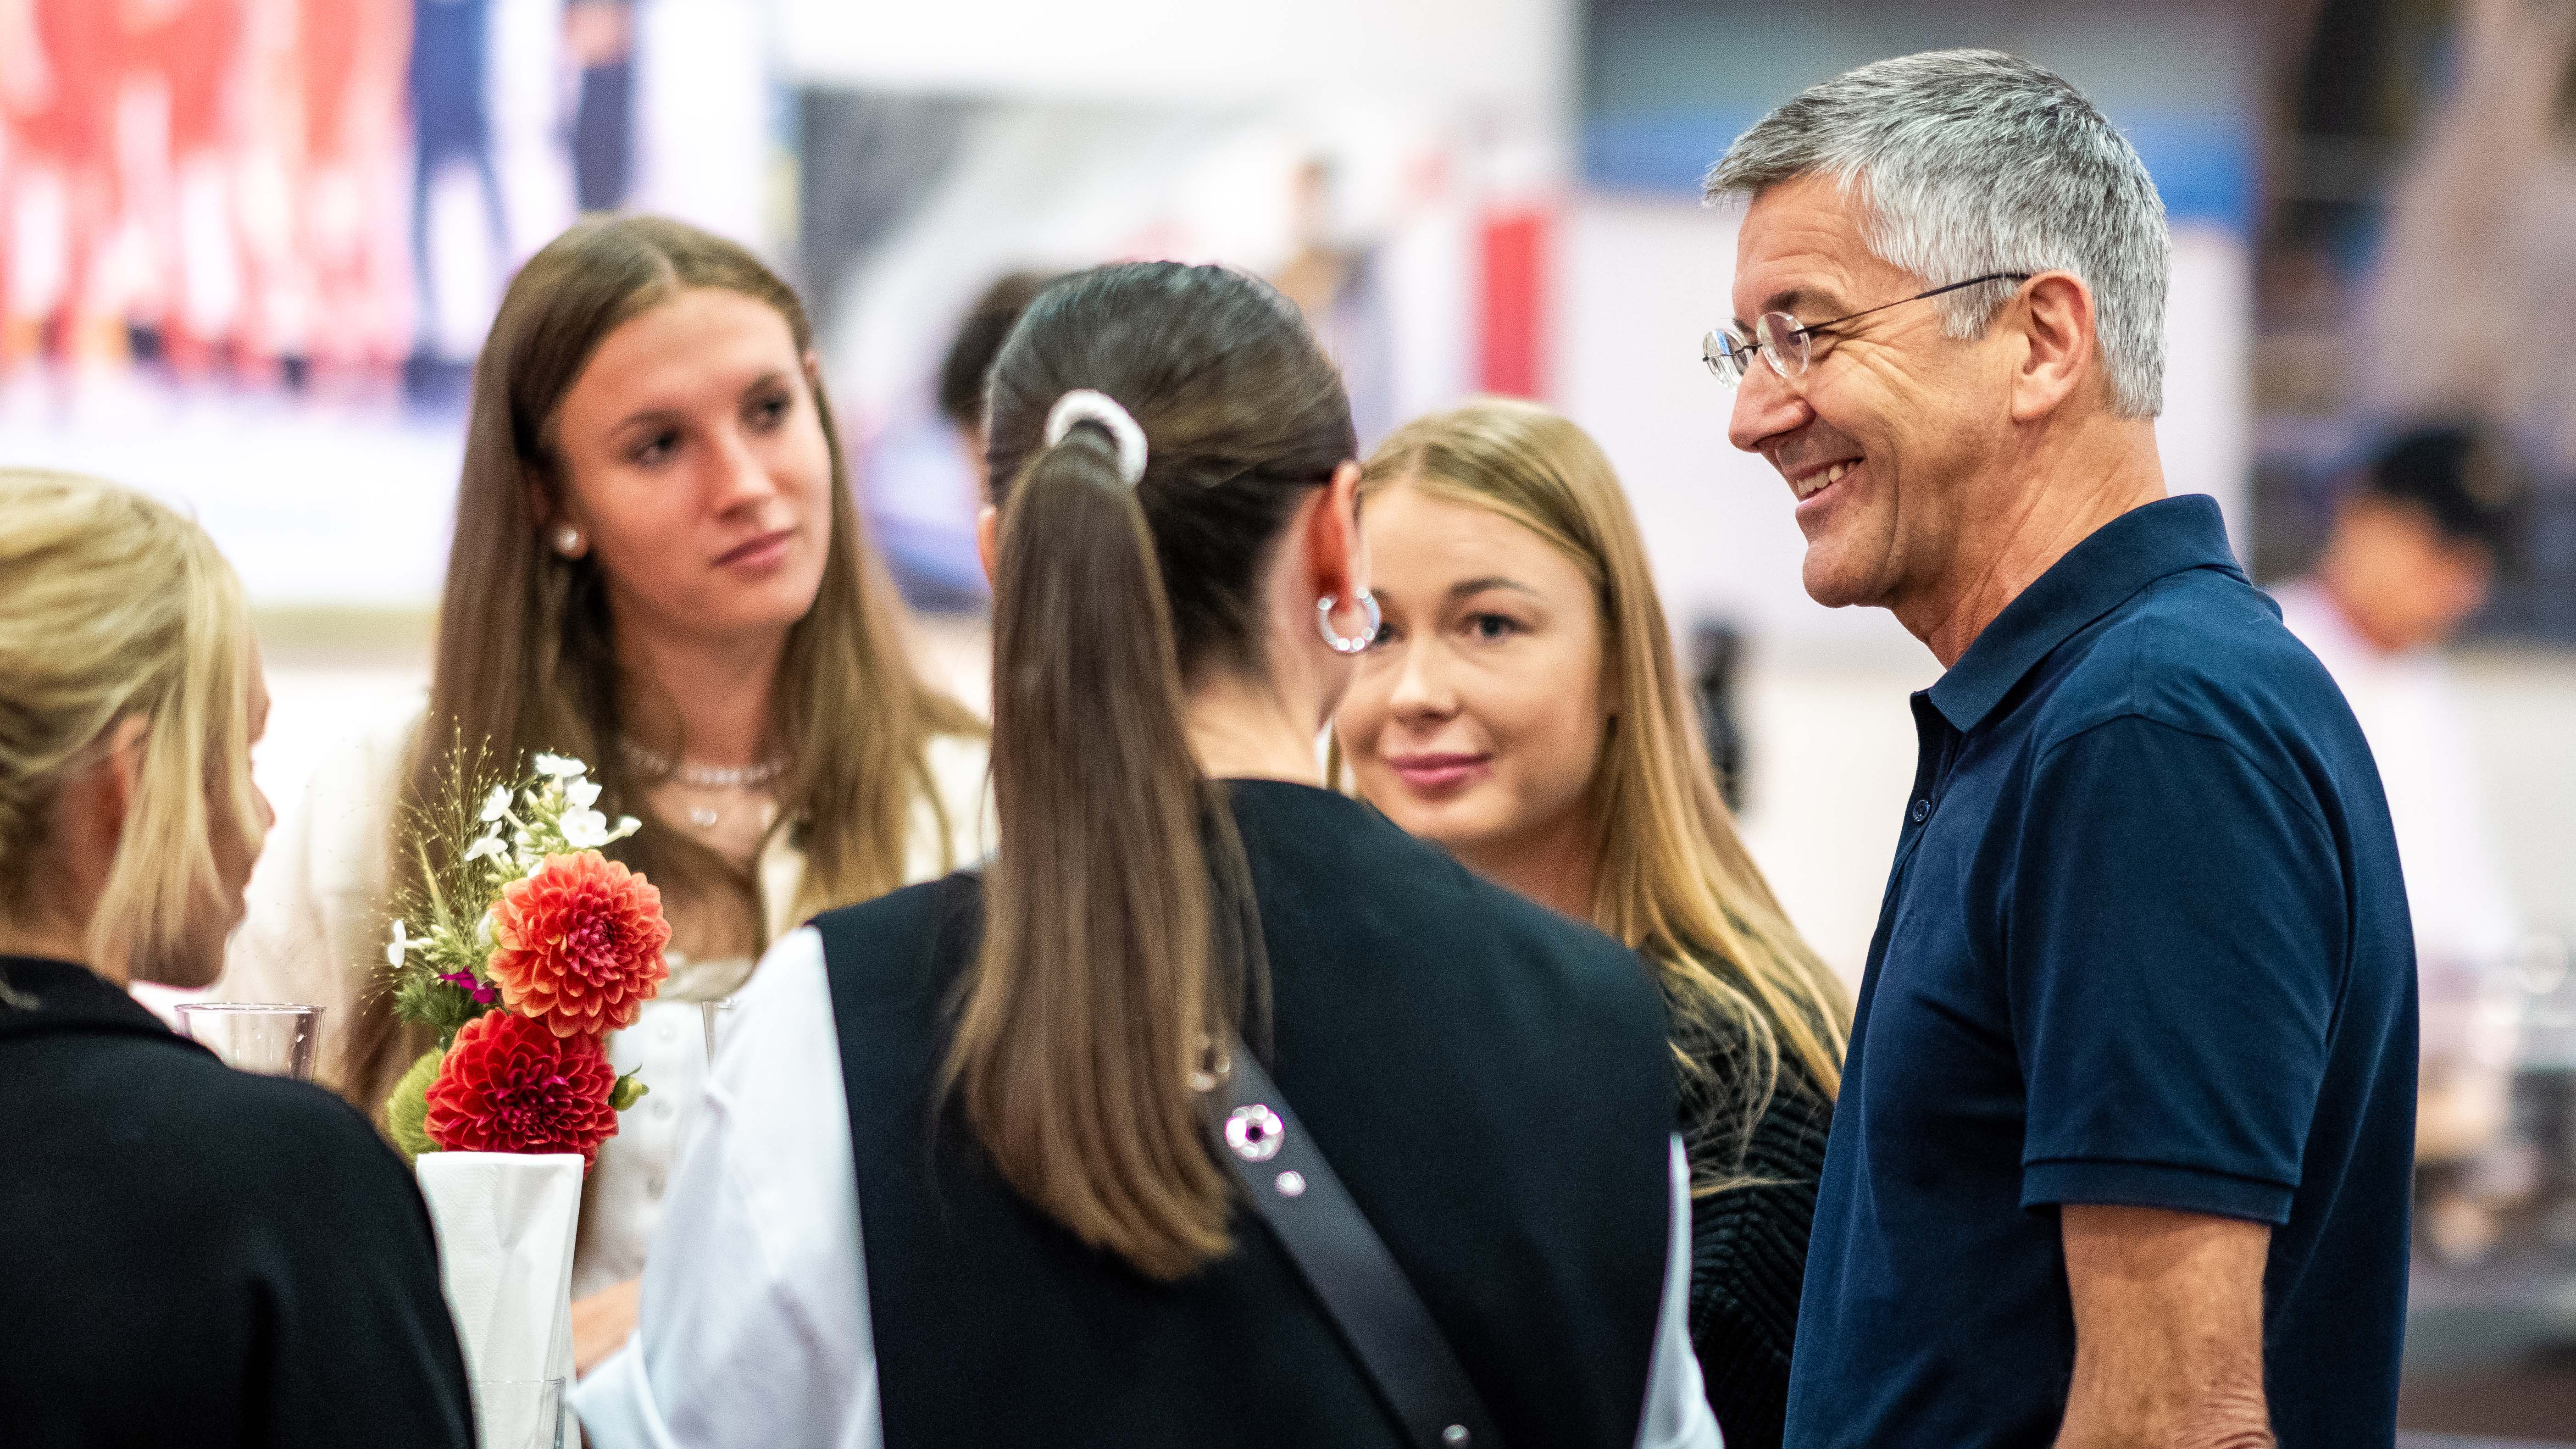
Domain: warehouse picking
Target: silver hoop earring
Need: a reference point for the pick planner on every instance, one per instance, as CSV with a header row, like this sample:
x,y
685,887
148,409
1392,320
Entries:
x,y
568,540
1348,643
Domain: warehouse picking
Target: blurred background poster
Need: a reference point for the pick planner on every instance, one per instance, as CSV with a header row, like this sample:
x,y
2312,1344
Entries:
x,y
248,249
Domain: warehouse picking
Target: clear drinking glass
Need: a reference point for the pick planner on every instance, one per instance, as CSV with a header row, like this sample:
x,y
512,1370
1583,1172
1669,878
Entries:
x,y
271,1038
717,1013
519,1413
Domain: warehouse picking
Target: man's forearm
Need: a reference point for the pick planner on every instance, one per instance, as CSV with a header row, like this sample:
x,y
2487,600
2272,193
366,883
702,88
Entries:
x,y
2168,1331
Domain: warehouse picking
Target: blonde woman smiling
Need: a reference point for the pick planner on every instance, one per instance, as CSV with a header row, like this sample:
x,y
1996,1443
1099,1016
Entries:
x,y
658,568
1522,707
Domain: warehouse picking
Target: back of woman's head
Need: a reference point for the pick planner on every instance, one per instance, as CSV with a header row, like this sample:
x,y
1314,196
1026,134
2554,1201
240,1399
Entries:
x,y
1674,879
1116,954
114,607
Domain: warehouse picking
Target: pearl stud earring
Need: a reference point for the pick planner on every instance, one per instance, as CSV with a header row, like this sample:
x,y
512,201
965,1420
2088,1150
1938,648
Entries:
x,y
568,540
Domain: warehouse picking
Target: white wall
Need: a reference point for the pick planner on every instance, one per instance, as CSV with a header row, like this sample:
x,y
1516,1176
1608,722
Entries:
x,y
1515,52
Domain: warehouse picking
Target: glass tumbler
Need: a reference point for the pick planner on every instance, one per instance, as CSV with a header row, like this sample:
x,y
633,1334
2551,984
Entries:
x,y
270,1038
717,1014
519,1413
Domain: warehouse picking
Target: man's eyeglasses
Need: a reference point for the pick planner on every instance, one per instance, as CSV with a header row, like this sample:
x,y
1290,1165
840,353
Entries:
x,y
1787,344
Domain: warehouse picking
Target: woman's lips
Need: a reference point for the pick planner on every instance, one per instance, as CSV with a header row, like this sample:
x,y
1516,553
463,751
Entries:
x,y
765,552
1439,774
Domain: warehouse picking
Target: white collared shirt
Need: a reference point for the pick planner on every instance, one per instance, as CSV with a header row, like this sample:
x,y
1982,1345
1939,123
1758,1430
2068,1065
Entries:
x,y
755,1330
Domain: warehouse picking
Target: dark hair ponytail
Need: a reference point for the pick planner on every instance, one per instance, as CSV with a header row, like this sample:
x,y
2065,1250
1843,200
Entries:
x,y
1117,947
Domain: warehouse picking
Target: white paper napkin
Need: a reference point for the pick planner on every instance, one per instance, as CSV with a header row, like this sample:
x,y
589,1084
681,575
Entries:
x,y
506,1223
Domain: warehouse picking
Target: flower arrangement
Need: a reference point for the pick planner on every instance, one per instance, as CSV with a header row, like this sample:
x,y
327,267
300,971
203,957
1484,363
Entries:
x,y
523,955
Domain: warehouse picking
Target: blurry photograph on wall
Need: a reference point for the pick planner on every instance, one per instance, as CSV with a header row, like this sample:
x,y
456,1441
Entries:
x,y
248,248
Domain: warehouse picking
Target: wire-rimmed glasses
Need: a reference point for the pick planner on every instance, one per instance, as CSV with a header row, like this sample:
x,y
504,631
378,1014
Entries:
x,y
1788,344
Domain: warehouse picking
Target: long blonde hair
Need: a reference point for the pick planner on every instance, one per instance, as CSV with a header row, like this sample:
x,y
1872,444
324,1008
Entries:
x,y
1674,880
526,657
113,606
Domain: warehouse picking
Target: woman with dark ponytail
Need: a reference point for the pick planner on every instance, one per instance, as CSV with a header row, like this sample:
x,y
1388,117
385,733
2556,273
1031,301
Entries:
x,y
1018,1078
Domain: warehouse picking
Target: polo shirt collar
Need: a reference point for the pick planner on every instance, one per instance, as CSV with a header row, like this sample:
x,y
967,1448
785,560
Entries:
x,y
2166,537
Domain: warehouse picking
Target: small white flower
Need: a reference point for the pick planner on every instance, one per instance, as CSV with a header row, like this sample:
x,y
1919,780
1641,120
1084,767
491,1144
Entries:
x,y
488,848
496,804
626,825
584,829
483,932
584,793
399,946
560,767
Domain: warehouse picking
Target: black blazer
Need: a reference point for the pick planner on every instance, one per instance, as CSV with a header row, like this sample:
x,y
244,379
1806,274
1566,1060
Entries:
x,y
1489,1079
195,1256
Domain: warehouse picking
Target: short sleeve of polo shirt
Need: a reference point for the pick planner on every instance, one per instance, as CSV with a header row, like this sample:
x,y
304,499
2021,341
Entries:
x,y
2174,946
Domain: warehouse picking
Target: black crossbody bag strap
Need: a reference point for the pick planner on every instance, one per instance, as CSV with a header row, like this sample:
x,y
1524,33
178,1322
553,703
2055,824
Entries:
x,y
1342,1258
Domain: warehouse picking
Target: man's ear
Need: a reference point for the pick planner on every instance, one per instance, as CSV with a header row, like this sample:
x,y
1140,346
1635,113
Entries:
x,y
2055,318
988,540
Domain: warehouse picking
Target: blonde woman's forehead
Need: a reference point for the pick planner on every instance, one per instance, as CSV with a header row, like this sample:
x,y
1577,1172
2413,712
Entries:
x,y
1428,543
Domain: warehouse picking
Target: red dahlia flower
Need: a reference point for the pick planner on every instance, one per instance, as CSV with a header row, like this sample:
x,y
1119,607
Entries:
x,y
578,944
511,1085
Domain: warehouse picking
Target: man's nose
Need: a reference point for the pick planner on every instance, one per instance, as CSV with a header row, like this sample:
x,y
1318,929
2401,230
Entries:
x,y
1765,407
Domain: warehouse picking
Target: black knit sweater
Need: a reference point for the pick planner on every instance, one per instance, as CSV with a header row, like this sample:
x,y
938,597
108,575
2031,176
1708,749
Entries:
x,y
1749,1249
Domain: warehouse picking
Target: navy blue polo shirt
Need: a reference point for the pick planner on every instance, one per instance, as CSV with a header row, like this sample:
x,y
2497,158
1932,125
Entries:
x,y
2145,943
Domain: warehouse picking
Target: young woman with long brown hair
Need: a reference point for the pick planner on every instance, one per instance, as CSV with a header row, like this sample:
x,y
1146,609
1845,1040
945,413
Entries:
x,y
1522,706
659,569
1027,1057
197,1256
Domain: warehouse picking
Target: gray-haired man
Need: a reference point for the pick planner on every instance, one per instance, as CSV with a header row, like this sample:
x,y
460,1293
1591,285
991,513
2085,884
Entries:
x,y
2123,1145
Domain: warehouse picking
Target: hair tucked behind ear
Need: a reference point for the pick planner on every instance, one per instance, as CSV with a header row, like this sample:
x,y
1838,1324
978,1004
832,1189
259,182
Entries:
x,y
1118,943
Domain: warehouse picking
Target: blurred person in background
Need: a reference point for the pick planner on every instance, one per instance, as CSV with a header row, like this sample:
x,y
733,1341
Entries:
x,y
451,122
1524,708
59,76
191,50
2123,1150
1026,1184
2415,545
657,569
599,39
197,1257
967,368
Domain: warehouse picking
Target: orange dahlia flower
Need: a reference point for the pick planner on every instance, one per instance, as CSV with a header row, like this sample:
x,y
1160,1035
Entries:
x,y
578,944
510,1085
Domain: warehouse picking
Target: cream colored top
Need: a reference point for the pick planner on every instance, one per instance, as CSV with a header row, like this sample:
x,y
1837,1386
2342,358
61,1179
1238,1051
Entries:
x,y
316,930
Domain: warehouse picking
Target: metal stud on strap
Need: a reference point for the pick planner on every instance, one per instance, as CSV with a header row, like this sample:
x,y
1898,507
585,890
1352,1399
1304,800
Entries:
x,y
1254,1132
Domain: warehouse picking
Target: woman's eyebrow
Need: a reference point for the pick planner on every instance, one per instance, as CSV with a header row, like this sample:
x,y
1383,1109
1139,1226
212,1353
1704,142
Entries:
x,y
1465,587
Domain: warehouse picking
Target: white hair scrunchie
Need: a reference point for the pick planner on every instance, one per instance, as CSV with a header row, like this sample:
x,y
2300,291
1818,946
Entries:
x,y
1083,405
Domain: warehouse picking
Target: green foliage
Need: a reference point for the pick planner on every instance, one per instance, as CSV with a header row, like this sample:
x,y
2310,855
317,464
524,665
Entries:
x,y
407,1110
443,1005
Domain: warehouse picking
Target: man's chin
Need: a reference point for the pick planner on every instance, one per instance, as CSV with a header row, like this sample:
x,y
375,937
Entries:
x,y
1833,586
